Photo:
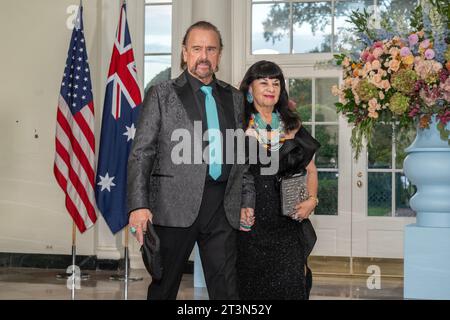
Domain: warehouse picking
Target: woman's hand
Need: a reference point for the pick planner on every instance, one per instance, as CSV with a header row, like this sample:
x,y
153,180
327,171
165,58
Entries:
x,y
247,219
138,220
304,209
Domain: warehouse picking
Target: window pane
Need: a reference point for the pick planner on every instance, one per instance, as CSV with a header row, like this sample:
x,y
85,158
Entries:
x,y
404,191
327,156
404,140
158,29
344,38
327,194
379,194
312,27
380,153
270,28
325,108
157,69
397,14
300,90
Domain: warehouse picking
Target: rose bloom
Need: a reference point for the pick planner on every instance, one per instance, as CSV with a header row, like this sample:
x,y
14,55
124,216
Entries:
x,y
425,44
417,60
377,52
394,65
394,52
377,80
373,104
376,65
405,52
429,54
373,115
378,44
342,98
386,85
413,39
437,66
348,82
408,60
370,58
364,55
381,95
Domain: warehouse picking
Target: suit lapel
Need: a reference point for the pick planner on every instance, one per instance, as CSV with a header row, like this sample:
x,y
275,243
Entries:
x,y
186,96
226,97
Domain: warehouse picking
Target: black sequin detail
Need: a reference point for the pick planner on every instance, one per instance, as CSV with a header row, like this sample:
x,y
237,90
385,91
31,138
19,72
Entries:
x,y
271,257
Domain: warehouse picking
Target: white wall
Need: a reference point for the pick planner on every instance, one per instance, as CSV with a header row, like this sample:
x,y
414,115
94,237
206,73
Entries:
x,y
35,41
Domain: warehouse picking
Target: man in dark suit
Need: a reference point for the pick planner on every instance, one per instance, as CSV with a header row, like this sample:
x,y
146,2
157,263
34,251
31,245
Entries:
x,y
189,202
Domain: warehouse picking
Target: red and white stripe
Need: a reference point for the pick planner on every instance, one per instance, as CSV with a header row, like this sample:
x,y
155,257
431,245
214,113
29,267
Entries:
x,y
75,162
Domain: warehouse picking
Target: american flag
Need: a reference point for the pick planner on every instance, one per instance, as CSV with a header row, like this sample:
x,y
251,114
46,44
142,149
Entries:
x,y
120,113
75,141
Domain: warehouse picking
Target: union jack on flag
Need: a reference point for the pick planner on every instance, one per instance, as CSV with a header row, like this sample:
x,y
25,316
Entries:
x,y
120,113
75,141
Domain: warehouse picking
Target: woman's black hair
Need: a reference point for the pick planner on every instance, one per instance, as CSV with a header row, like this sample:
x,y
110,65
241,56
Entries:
x,y
267,69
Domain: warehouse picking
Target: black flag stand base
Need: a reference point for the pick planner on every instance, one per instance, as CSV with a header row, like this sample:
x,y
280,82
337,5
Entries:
x,y
126,275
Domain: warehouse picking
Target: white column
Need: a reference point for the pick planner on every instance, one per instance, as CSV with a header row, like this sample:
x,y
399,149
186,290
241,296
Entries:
x,y
107,245
218,12
181,20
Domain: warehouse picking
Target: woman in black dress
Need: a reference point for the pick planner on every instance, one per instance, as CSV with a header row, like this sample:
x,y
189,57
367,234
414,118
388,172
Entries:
x,y
273,249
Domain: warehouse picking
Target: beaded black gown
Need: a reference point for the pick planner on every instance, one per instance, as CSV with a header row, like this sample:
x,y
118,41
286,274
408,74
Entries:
x,y
272,256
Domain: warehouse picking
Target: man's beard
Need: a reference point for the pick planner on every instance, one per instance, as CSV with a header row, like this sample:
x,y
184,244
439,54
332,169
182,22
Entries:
x,y
208,74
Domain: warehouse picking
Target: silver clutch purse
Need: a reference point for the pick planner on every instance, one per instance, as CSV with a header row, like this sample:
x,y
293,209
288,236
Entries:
x,y
293,190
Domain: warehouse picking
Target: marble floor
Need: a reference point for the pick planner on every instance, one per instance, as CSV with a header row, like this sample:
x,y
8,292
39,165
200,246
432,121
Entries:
x,y
25,284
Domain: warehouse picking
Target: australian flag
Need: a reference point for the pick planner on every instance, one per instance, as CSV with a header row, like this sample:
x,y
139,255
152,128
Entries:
x,y
120,113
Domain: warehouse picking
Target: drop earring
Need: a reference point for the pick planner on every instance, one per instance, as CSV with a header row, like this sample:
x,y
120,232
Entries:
x,y
249,97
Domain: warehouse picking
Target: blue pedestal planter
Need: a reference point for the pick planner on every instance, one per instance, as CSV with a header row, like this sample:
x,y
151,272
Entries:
x,y
427,242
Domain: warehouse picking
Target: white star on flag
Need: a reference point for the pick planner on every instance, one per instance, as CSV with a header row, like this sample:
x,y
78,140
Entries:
x,y
131,131
106,182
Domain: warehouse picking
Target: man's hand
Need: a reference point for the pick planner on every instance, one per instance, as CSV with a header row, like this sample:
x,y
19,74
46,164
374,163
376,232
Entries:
x,y
138,220
247,219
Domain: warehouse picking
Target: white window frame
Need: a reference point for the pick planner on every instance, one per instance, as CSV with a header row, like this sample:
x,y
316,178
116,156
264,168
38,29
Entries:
x,y
242,57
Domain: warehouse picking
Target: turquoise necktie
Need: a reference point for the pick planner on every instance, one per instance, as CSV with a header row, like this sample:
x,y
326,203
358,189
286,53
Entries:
x,y
215,148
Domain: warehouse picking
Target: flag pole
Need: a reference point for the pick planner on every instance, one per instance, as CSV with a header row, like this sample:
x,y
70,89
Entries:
x,y
68,273
125,277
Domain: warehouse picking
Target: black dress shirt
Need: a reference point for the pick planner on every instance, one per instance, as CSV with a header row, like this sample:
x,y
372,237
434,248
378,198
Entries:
x,y
224,122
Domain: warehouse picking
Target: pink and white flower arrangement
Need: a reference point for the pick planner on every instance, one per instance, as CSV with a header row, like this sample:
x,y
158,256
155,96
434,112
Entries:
x,y
394,80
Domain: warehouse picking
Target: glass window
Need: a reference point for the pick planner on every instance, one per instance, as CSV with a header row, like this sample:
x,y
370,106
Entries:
x,y
311,27
318,115
308,26
325,108
344,38
270,28
300,90
158,41
389,191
